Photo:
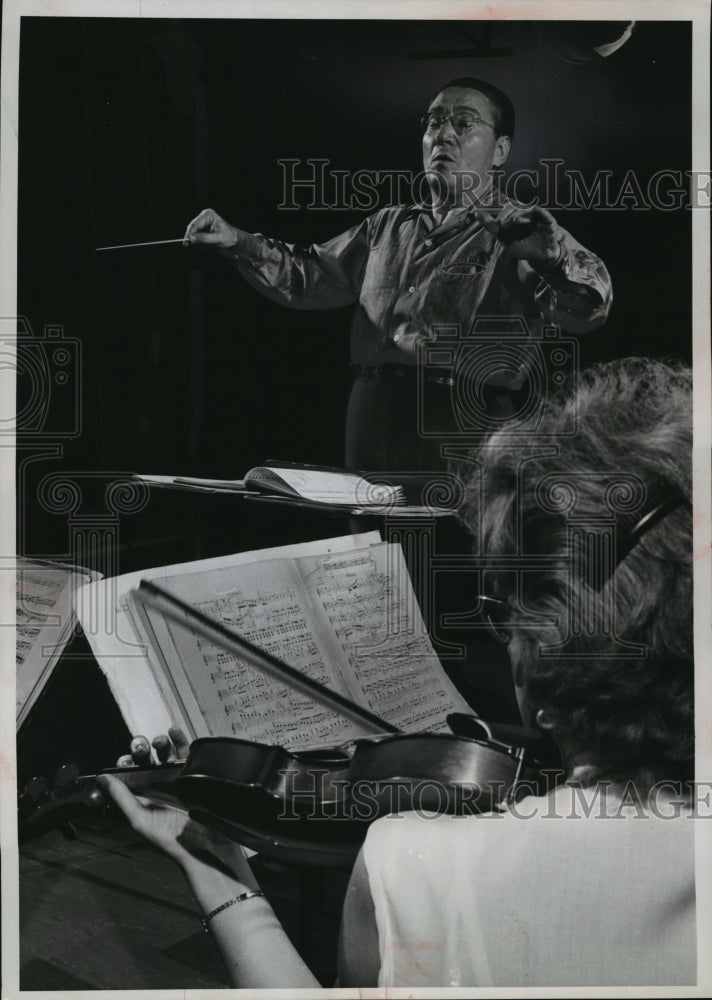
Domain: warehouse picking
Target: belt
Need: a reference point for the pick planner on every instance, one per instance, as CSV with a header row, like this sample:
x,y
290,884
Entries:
x,y
383,373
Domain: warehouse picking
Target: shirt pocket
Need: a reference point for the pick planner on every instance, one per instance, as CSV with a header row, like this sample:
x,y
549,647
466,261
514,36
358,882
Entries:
x,y
464,270
461,282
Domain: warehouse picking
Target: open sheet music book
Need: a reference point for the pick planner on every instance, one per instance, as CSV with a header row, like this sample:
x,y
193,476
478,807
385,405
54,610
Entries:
x,y
333,487
45,620
340,491
343,612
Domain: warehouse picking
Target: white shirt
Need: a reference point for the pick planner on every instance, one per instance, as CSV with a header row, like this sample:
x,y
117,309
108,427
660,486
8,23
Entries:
x,y
539,896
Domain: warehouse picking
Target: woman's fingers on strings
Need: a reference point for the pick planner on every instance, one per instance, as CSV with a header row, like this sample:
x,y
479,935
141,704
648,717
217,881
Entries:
x,y
168,748
165,751
181,742
173,747
140,750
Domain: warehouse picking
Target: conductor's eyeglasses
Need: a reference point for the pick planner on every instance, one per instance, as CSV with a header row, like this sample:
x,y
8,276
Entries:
x,y
462,121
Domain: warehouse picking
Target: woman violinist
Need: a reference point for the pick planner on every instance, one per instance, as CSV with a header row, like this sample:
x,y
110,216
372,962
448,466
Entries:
x,y
593,883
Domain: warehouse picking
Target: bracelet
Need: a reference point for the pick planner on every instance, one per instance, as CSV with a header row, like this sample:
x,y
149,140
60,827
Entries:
x,y
231,902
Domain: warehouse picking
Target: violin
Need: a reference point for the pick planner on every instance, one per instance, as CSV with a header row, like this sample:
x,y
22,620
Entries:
x,y
311,806
314,807
308,807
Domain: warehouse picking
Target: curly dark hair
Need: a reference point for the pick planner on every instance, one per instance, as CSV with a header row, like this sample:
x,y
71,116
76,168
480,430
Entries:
x,y
619,687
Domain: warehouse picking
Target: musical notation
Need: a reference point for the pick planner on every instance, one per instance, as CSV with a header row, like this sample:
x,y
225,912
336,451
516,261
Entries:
x,y
347,621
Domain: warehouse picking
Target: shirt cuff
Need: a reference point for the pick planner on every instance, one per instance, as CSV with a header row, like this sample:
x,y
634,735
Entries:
x,y
247,250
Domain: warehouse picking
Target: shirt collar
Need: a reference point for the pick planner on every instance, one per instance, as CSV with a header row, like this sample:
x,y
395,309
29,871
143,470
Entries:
x,y
418,209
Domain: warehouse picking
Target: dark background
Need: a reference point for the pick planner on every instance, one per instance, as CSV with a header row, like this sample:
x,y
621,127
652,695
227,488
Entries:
x,y
128,128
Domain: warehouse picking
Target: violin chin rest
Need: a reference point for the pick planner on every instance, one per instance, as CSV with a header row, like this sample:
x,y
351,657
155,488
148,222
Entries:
x,y
462,724
533,741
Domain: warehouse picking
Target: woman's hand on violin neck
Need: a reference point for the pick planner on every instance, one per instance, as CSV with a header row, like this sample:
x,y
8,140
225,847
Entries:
x,y
168,827
256,951
160,823
165,823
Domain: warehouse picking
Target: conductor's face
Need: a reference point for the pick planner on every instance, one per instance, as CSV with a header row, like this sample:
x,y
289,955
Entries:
x,y
460,143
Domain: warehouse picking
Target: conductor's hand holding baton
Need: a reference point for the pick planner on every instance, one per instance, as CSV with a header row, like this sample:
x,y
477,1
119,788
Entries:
x,y
209,229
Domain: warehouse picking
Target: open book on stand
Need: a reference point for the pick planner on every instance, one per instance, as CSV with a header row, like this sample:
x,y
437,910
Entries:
x,y
342,612
312,486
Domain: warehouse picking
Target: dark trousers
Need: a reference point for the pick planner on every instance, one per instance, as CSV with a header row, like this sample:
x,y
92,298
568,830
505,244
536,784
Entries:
x,y
397,421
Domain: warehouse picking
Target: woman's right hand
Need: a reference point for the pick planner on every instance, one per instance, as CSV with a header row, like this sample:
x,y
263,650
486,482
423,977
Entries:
x,y
209,229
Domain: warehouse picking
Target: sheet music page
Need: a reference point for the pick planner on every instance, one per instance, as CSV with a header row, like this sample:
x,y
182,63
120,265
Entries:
x,y
367,600
44,621
348,620
103,610
266,604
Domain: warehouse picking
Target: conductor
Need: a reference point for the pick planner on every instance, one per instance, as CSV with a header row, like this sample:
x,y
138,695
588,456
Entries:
x,y
413,270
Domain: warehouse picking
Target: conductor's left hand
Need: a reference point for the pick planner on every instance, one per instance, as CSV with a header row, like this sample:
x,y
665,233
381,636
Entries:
x,y
530,234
